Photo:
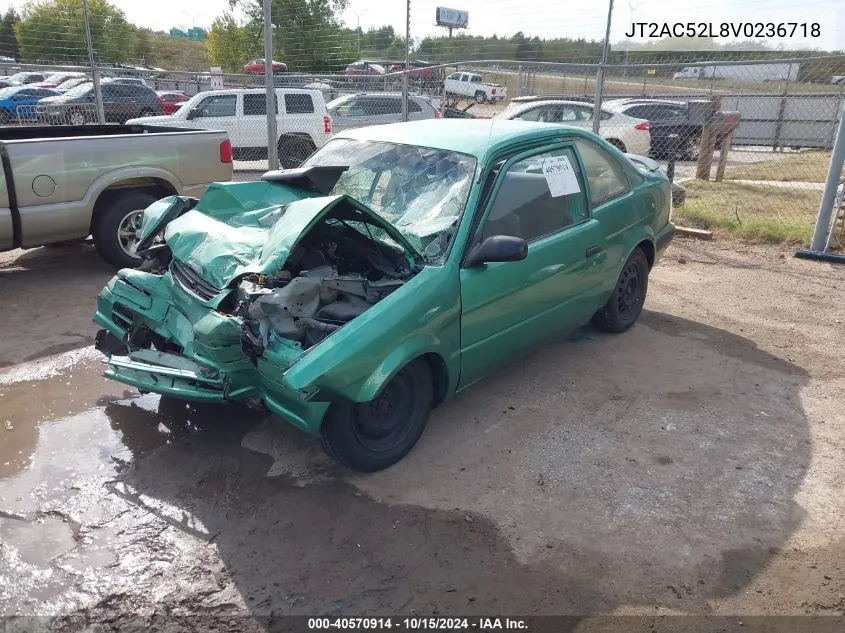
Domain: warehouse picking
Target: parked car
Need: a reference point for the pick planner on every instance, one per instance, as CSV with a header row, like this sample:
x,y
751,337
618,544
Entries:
x,y
17,103
672,130
6,84
121,102
364,68
472,85
25,78
171,100
376,109
51,81
624,132
353,295
258,66
68,183
303,123
72,83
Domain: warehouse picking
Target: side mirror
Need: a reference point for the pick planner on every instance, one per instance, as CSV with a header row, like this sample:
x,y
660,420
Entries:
x,y
497,248
193,114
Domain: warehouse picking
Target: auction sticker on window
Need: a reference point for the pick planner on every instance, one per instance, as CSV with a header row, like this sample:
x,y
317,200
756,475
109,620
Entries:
x,y
560,176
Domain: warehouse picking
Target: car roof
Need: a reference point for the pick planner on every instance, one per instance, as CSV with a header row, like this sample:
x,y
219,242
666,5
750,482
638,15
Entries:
x,y
553,97
477,137
393,95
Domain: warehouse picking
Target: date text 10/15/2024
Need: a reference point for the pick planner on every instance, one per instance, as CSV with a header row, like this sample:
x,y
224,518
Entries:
x,y
419,624
724,29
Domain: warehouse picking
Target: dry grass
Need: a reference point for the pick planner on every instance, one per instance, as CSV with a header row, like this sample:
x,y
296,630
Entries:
x,y
756,213
809,166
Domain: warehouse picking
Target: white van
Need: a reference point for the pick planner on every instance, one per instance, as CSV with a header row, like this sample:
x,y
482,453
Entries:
x,y
302,124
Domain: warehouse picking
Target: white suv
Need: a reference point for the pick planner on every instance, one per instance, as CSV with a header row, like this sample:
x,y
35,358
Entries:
x,y
628,134
302,123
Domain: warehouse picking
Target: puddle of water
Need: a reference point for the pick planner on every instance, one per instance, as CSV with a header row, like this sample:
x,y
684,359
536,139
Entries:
x,y
37,544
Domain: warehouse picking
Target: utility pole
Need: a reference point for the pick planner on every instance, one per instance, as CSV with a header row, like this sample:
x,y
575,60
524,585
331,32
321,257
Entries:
x,y
600,73
407,60
272,148
95,75
627,41
358,18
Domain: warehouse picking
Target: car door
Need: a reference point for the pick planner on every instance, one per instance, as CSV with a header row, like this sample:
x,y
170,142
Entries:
x,y
219,112
111,106
610,193
382,110
508,307
251,127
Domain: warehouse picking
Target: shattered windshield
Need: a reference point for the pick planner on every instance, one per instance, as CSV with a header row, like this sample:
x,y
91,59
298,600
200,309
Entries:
x,y
421,191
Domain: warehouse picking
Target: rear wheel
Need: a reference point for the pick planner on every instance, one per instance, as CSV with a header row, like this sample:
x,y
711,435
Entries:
x,y
480,97
5,117
370,436
626,303
293,150
77,117
117,225
617,144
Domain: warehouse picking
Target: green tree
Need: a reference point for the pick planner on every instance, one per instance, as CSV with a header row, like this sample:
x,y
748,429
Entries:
x,y
307,34
54,31
8,41
230,45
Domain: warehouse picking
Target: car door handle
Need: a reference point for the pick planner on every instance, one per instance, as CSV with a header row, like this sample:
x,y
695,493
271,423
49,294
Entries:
x,y
593,251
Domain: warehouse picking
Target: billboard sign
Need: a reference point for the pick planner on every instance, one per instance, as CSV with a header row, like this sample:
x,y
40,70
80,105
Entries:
x,y
452,18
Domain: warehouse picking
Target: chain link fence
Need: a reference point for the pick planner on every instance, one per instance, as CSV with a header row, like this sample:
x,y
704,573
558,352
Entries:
x,y
747,142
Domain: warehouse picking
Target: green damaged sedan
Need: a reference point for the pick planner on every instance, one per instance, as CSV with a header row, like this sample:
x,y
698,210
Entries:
x,y
397,266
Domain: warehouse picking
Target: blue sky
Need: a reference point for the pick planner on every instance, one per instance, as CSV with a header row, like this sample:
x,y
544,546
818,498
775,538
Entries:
x,y
505,17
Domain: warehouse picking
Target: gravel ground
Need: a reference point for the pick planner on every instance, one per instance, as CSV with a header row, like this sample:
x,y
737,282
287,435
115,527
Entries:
x,y
690,466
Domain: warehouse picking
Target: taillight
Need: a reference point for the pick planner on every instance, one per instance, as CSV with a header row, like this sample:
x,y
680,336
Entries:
x,y
641,126
327,124
438,114
493,91
226,151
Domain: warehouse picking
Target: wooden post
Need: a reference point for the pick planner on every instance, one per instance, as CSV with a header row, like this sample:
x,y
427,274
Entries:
x,y
708,145
723,156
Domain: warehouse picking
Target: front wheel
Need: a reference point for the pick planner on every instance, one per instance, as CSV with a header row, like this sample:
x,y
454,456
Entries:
x,y
626,303
370,436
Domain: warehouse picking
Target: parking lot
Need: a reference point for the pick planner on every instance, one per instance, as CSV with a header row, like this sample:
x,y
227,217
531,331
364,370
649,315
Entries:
x,y
691,465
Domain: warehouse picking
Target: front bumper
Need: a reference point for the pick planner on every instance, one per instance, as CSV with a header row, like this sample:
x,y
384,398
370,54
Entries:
x,y
205,361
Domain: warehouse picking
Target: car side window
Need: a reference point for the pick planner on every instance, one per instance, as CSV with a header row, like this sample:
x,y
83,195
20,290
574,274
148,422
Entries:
x,y
455,76
256,104
218,105
524,205
379,106
296,103
605,176
413,106
533,114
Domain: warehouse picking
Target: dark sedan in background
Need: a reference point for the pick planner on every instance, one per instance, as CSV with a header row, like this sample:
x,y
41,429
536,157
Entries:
x,y
121,102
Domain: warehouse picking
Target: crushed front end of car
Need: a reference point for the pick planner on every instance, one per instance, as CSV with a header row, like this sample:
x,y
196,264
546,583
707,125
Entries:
x,y
240,295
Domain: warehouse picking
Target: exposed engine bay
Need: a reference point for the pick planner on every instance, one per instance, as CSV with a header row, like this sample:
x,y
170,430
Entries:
x,y
331,276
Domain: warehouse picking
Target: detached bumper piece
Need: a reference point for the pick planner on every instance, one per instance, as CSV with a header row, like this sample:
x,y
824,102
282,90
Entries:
x,y
169,374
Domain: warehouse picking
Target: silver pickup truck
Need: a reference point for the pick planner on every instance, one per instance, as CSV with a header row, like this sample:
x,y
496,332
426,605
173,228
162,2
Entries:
x,y
68,182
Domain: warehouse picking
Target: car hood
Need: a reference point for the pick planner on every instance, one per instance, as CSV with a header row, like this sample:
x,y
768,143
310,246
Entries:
x,y
242,228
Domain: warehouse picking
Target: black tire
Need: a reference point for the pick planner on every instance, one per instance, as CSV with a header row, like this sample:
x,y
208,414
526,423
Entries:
x,y
110,216
617,144
5,117
293,150
626,303
371,436
480,97
77,116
